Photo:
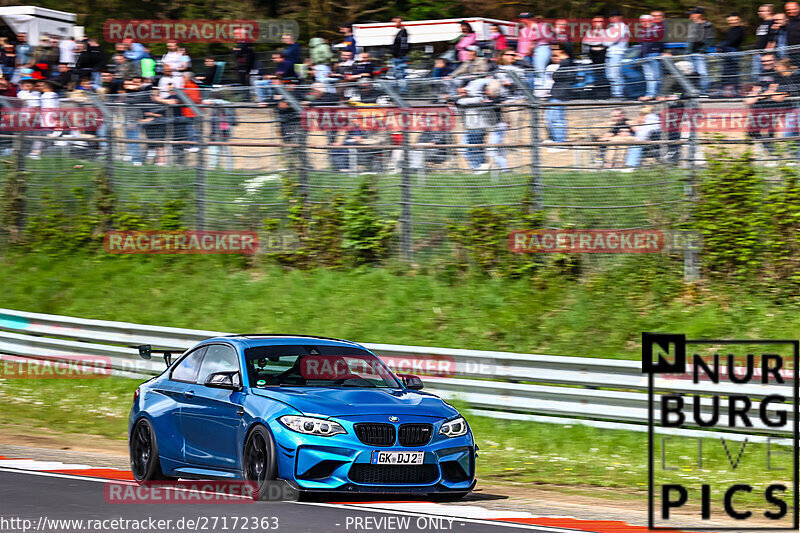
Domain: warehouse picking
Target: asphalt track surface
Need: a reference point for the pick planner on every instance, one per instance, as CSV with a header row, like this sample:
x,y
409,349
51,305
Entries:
x,y
43,498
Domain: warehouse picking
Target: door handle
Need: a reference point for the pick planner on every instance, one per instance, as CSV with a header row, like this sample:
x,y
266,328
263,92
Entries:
x,y
240,411
189,393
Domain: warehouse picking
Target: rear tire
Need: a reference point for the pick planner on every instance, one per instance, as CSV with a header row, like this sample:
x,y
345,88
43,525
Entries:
x,y
143,449
260,464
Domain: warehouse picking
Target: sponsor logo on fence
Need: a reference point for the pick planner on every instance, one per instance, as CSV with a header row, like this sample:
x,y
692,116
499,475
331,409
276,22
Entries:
x,y
181,242
378,119
38,119
731,119
55,367
596,241
199,31
747,387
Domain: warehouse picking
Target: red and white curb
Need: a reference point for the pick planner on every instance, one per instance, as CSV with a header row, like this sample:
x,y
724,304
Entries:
x,y
469,513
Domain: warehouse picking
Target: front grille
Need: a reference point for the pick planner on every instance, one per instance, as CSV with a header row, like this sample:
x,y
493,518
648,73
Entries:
x,y
393,474
415,434
375,434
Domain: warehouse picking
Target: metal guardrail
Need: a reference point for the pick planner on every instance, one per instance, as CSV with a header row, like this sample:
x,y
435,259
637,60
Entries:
x,y
601,392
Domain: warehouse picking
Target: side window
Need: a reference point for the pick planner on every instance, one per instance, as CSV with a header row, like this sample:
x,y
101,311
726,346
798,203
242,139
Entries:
x,y
186,370
219,358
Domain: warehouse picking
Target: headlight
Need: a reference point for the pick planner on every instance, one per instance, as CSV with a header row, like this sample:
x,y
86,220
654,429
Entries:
x,y
311,426
454,428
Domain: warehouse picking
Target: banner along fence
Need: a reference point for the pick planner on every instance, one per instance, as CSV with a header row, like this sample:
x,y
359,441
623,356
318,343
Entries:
x,y
498,140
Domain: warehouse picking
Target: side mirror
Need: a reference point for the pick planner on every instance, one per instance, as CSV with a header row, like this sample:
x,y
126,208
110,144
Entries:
x,y
411,381
224,380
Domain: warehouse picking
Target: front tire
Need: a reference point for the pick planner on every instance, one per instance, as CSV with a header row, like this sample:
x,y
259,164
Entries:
x,y
143,450
260,463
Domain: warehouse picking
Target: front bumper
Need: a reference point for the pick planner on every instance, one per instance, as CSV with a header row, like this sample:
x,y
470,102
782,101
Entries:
x,y
343,463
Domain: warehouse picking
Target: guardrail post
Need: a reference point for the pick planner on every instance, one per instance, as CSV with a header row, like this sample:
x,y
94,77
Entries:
x,y
406,235
534,107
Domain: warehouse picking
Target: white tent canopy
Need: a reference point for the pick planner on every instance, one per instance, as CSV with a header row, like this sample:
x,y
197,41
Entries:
x,y
38,21
428,31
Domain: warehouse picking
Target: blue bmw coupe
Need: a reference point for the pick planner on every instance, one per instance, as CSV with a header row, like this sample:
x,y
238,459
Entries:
x,y
322,414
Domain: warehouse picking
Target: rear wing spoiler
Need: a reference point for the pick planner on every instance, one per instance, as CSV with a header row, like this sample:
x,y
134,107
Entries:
x,y
146,351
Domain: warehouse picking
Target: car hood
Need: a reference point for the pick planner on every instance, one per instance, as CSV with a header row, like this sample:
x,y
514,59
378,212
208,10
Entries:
x,y
356,402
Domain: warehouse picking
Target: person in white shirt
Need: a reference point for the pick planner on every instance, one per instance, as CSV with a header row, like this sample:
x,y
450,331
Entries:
x,y
171,79
175,57
66,51
649,123
28,93
617,35
48,101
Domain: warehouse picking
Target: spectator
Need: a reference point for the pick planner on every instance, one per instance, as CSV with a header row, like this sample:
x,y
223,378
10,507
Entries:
x,y
66,51
731,42
594,41
174,57
498,39
222,121
62,75
472,64
647,129
45,54
281,70
210,74
700,37
192,91
8,89
563,80
348,41
293,51
467,39
472,96
792,10
48,102
764,31
534,43
133,51
108,84
400,48
651,48
620,130
320,51
27,93
617,38
244,56
24,49
124,69
364,67
561,35
441,68
777,38
760,102
169,81
9,60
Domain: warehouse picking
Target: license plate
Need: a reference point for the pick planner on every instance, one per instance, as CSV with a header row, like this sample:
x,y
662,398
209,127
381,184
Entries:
x,y
397,458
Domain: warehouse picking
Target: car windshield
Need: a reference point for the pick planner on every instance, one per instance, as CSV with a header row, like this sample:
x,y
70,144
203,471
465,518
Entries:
x,y
316,366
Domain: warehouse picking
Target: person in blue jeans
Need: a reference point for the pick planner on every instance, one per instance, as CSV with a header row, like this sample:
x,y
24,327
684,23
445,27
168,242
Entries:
x,y
618,35
400,49
700,37
563,80
651,49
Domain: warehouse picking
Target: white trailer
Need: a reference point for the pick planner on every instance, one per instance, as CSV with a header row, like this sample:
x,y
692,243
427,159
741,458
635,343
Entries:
x,y
428,31
38,21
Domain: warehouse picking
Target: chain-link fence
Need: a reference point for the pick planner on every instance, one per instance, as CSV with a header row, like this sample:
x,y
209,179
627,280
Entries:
x,y
559,141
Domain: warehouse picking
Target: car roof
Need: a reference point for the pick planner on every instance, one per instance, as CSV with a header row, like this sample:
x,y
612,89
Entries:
x,y
250,340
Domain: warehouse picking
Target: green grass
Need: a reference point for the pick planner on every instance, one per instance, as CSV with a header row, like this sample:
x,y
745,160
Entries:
x,y
601,316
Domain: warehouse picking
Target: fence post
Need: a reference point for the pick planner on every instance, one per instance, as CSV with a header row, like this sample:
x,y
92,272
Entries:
x,y
536,159
691,259
406,236
200,168
302,141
